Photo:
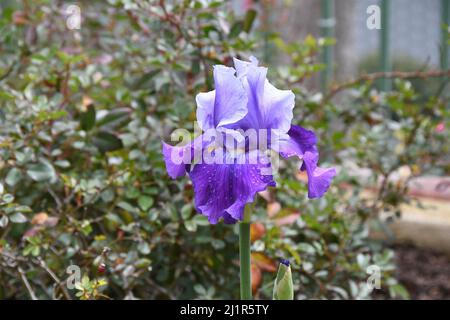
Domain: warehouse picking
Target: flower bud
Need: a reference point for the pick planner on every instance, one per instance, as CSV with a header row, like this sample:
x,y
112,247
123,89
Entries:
x,y
283,287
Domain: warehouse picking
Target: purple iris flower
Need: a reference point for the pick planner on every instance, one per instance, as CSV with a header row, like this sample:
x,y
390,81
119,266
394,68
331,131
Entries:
x,y
243,100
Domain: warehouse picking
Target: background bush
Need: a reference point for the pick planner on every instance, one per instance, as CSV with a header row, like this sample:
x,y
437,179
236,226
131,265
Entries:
x,y
82,116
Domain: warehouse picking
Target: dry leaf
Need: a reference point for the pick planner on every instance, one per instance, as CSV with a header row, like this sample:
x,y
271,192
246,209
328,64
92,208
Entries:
x,y
266,195
273,208
19,18
87,101
51,222
256,278
264,262
286,220
302,176
257,231
39,218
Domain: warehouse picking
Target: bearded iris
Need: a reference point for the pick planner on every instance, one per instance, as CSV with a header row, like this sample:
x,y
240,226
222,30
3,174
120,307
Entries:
x,y
243,100
234,165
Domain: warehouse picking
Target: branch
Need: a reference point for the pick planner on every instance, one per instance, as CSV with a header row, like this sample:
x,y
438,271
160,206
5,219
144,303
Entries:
x,y
27,284
387,75
55,278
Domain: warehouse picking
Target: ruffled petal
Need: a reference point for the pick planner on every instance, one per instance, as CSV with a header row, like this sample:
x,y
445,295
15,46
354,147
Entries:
x,y
223,190
205,109
278,106
242,66
225,105
174,167
178,159
299,141
302,143
319,179
268,107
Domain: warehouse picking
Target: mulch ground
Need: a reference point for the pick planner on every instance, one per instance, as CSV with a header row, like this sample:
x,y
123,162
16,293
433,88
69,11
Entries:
x,y
425,273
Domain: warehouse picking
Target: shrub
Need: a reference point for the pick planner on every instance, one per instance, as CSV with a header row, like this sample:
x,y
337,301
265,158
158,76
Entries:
x,y
82,116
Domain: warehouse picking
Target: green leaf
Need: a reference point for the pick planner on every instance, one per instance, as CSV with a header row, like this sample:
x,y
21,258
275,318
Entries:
x,y
200,289
106,141
144,248
62,163
14,175
145,202
7,198
5,95
144,81
132,193
127,207
18,218
87,119
190,225
115,118
3,221
42,172
397,290
143,263
86,227
249,19
27,250
236,29
25,209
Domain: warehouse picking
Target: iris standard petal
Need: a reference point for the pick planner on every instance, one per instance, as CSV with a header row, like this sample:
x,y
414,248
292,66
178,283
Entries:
x,y
302,143
278,106
241,66
205,109
226,104
268,107
223,190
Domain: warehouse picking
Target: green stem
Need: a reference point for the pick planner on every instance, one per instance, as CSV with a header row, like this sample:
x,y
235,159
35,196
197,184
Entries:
x,y
244,256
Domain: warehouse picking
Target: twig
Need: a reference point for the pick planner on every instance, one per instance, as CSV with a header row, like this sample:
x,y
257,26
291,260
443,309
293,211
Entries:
x,y
8,71
56,198
27,284
389,75
55,278
159,288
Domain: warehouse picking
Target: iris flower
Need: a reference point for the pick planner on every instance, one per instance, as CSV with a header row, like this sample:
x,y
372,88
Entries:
x,y
243,99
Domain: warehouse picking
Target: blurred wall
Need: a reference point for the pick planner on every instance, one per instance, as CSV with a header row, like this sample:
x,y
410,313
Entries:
x,y
415,28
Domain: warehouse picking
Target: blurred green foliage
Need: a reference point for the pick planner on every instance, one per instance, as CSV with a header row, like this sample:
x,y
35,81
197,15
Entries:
x,y
82,116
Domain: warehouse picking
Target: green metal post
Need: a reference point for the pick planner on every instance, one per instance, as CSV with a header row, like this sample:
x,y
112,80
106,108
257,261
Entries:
x,y
327,26
384,45
445,6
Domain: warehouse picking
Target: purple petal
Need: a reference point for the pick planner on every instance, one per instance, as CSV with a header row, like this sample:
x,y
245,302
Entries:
x,y
226,104
268,107
175,169
223,190
228,219
300,140
302,143
278,105
242,66
178,159
205,109
319,179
